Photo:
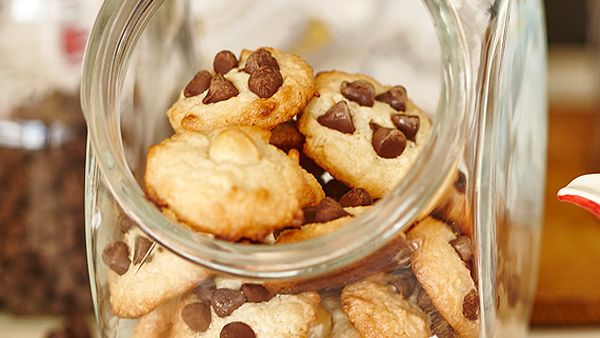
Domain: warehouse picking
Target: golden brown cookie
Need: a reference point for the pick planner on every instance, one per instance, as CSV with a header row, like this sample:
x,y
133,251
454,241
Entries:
x,y
365,134
266,88
454,207
341,327
284,316
377,310
229,182
444,276
157,323
143,275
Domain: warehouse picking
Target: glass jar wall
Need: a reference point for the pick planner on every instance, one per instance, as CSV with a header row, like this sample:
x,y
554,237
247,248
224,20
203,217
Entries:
x,y
173,254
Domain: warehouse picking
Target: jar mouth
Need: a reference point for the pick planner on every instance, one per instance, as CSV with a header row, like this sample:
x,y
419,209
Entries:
x,y
114,36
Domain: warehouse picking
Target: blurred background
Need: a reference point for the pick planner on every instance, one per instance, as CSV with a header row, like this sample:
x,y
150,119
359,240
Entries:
x,y
43,278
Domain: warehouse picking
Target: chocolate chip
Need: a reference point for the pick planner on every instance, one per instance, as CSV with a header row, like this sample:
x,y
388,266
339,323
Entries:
x,y
259,59
256,293
204,290
374,126
338,117
220,89
142,246
225,301
197,316
116,256
329,210
471,305
396,97
198,85
405,284
407,124
359,91
265,81
309,165
355,198
462,245
125,223
388,143
224,61
335,189
286,136
461,183
309,213
237,330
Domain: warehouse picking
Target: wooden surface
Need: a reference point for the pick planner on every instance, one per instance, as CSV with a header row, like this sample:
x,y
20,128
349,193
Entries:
x,y
569,280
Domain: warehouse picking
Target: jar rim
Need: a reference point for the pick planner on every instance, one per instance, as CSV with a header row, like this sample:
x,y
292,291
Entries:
x,y
115,33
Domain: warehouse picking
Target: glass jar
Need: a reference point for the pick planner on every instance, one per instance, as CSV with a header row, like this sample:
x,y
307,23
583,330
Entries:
x,y
450,250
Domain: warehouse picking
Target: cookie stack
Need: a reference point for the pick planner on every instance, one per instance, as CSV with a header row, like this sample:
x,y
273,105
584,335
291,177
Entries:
x,y
265,152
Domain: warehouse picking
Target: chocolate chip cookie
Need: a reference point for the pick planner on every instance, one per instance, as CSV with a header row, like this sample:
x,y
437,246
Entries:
x,y
229,182
444,275
365,134
264,88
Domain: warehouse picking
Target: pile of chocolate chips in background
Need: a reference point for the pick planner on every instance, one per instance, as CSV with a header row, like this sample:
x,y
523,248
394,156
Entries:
x,y
42,243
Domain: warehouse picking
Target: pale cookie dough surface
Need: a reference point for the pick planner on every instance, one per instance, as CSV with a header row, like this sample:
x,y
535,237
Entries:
x,y
247,109
144,286
341,327
377,310
284,316
157,324
229,182
350,158
442,274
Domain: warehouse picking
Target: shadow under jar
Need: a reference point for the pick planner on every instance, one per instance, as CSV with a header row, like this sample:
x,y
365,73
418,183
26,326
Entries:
x,y
449,249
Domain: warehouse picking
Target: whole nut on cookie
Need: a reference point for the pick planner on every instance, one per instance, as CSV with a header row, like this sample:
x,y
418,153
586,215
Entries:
x,y
233,146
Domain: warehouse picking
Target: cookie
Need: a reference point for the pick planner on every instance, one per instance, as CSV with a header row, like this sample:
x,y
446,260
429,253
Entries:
x,y
365,134
377,310
229,182
453,206
278,316
444,276
267,87
341,327
157,323
142,275
395,254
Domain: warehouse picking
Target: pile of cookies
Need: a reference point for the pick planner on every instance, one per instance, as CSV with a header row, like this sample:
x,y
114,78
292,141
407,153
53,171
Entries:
x,y
265,152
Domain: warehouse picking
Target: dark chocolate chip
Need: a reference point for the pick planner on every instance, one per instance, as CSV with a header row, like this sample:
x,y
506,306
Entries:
x,y
359,91
396,97
309,165
259,59
471,305
204,290
338,117
237,330
265,81
256,293
225,301
198,85
125,223
405,284
355,198
329,210
461,183
407,124
224,61
388,143
142,246
374,126
335,189
220,89
462,245
116,256
197,316
309,213
286,136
